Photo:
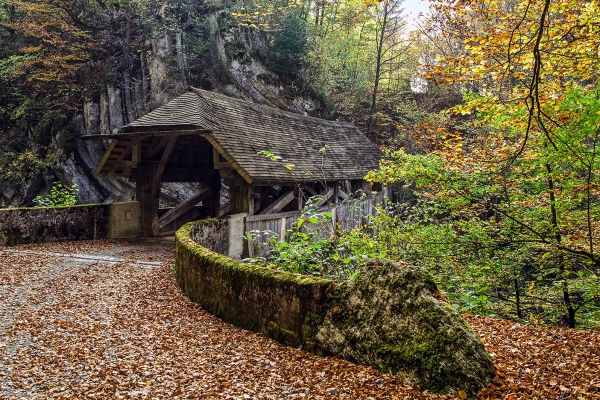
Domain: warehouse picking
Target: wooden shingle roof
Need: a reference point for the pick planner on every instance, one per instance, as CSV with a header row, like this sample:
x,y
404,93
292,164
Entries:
x,y
239,130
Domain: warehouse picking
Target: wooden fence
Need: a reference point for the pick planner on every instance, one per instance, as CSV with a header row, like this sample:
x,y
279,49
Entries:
x,y
345,216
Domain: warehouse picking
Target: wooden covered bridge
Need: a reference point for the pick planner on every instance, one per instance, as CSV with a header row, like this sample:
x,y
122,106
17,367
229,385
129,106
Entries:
x,y
209,138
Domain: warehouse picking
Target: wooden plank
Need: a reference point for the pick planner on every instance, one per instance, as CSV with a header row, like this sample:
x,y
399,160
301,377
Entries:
x,y
325,198
225,208
117,162
177,211
268,217
343,195
126,135
165,157
136,153
282,229
278,204
111,146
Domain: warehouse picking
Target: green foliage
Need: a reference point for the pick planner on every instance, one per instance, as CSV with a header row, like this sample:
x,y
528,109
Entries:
x,y
312,247
59,195
511,236
287,55
20,167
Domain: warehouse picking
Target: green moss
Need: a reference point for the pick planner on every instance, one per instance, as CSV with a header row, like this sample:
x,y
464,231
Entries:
x,y
388,318
278,304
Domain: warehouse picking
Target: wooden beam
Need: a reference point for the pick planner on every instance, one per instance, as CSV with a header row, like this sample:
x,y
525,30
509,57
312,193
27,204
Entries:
x,y
182,208
225,208
165,157
278,204
256,206
326,197
125,135
120,158
214,202
136,153
266,217
336,193
147,189
343,194
310,190
111,146
155,146
228,157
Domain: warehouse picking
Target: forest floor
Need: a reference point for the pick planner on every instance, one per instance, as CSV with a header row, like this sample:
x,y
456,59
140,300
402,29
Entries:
x,y
106,319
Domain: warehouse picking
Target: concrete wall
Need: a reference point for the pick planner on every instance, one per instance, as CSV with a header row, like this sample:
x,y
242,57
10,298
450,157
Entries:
x,y
84,222
283,306
222,235
124,220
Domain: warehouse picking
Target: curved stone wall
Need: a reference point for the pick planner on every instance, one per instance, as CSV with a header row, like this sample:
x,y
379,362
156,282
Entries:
x,y
283,306
389,316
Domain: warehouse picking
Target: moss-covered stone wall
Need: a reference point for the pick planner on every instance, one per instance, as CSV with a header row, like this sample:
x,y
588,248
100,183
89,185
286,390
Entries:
x,y
280,305
389,316
36,225
83,222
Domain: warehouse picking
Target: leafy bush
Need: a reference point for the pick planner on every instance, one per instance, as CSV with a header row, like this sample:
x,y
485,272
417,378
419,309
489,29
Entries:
x,y
20,167
313,246
59,195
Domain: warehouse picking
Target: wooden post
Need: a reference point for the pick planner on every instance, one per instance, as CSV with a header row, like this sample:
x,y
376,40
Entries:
x,y
240,192
147,187
336,192
214,203
298,197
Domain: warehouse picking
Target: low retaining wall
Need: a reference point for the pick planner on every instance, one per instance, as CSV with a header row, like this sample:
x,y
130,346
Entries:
x,y
283,306
84,222
389,316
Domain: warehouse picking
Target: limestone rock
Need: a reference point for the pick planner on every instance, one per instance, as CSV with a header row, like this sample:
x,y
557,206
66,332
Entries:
x,y
390,317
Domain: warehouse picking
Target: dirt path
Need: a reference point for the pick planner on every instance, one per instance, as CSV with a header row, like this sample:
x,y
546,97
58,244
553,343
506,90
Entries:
x,y
106,320
89,326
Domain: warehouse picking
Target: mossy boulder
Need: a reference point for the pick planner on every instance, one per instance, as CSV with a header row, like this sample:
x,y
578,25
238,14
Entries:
x,y
391,317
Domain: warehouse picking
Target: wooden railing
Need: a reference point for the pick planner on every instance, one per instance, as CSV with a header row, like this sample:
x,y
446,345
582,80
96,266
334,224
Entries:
x,y
345,216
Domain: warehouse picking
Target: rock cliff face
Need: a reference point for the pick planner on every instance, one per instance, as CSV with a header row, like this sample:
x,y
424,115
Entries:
x,y
232,67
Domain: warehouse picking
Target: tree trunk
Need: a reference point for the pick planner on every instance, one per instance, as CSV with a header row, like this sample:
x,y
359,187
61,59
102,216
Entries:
x,y
378,63
561,266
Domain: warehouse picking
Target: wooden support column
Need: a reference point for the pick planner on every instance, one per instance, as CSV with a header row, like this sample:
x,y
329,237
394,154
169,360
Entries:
x,y
336,192
298,197
214,203
240,192
147,188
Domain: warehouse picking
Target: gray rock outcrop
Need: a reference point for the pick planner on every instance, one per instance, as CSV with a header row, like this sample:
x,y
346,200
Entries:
x,y
391,317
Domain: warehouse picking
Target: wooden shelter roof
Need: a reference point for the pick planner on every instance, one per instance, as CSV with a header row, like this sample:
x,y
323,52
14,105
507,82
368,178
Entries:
x,y
239,130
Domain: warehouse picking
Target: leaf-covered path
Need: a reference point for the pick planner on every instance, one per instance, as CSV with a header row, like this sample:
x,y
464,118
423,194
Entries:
x,y
99,327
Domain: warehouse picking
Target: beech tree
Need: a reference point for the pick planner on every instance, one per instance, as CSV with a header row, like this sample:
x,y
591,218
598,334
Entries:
x,y
518,187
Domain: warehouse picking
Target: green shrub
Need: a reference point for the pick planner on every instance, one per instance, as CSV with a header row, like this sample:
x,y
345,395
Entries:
x,y
59,195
